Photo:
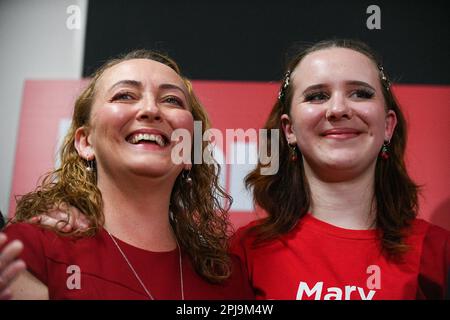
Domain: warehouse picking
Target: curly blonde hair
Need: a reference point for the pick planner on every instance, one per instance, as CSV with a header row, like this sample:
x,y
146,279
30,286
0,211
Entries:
x,y
200,213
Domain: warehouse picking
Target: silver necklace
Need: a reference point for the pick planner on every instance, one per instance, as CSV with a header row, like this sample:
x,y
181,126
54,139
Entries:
x,y
139,278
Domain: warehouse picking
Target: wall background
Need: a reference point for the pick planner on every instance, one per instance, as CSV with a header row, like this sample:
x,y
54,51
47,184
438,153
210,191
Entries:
x,y
35,44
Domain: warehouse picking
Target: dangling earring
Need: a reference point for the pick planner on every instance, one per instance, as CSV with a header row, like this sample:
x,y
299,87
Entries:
x,y
186,176
384,154
90,166
294,156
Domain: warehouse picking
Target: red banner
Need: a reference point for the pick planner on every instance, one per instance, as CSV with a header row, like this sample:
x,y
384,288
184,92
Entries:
x,y
47,109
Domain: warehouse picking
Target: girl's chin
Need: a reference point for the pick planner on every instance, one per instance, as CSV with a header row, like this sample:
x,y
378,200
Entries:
x,y
341,162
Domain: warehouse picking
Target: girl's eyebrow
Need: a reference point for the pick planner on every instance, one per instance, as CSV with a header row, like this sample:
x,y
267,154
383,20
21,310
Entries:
x,y
350,82
360,83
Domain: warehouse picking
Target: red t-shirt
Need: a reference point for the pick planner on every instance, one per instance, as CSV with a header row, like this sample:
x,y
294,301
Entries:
x,y
104,273
317,260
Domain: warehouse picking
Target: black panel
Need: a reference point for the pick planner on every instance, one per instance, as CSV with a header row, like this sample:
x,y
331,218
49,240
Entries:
x,y
246,40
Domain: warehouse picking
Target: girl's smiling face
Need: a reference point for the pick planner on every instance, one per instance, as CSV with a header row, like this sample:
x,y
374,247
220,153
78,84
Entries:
x,y
338,117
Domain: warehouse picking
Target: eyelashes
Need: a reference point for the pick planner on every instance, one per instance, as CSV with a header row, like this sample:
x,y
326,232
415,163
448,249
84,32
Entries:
x,y
127,96
316,96
174,100
364,93
321,96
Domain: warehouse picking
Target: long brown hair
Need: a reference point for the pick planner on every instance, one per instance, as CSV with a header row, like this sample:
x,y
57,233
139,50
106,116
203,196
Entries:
x,y
286,196
200,218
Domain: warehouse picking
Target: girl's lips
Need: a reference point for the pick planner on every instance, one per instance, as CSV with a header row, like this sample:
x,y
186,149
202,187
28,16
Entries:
x,y
342,136
341,133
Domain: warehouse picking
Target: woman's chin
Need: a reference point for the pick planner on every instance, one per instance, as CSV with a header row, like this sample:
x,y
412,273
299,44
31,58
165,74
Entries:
x,y
154,170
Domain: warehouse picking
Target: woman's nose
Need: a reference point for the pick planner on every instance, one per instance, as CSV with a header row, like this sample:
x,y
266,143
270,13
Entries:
x,y
149,110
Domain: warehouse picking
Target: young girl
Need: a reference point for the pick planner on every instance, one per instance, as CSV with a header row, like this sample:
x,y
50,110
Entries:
x,y
341,211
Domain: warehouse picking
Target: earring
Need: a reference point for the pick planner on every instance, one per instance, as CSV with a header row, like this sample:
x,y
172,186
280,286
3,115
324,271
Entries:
x,y
186,176
90,166
294,156
384,154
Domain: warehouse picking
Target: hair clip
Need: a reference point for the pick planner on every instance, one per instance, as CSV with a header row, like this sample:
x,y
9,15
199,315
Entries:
x,y
385,80
285,85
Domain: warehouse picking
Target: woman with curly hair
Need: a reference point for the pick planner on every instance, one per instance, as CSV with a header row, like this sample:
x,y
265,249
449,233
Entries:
x,y
157,229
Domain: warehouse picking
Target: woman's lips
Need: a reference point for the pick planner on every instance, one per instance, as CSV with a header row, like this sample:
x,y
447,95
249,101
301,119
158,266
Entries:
x,y
341,133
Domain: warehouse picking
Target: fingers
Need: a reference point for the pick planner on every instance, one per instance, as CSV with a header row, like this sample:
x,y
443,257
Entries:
x,y
6,294
2,239
10,267
11,272
81,223
59,214
63,217
50,221
10,253
77,220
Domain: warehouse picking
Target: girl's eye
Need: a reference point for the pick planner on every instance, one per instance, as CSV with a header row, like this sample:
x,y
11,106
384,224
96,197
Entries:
x,y
174,100
362,94
123,96
316,97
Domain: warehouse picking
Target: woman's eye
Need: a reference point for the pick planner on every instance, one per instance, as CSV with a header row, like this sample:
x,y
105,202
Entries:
x,y
173,100
316,97
123,96
362,94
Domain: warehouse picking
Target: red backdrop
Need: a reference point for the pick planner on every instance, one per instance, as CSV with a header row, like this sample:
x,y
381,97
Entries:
x,y
47,109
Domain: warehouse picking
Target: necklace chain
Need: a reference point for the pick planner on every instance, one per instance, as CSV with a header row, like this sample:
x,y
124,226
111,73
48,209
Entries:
x,y
139,278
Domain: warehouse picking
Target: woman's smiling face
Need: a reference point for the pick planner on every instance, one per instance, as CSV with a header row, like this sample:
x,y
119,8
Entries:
x,y
338,117
138,104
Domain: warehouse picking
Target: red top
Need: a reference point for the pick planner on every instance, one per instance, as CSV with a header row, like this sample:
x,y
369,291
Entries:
x,y
317,260
104,273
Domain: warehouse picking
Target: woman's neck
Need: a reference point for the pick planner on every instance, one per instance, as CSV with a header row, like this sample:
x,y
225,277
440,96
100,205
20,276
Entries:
x,y
137,211
348,203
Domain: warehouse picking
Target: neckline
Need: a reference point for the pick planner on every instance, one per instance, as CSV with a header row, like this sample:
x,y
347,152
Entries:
x,y
322,226
129,247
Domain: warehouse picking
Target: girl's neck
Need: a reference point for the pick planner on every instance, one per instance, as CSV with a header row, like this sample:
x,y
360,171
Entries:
x,y
347,203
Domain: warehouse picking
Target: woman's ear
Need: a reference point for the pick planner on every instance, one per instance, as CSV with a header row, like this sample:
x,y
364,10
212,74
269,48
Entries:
x,y
288,130
390,124
83,145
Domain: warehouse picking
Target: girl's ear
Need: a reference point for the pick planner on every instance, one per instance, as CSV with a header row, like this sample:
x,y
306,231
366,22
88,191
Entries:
x,y
289,133
390,124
